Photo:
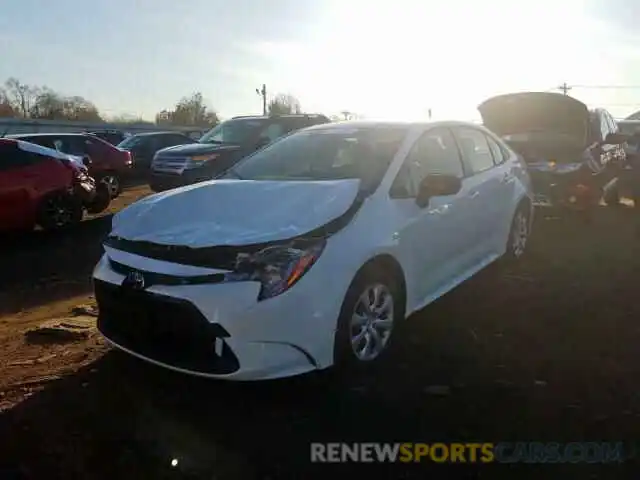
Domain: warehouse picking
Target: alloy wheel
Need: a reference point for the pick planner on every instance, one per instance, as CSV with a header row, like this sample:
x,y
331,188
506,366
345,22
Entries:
x,y
58,212
112,183
372,322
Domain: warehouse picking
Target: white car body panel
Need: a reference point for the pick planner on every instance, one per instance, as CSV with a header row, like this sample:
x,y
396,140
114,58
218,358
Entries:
x,y
437,248
234,212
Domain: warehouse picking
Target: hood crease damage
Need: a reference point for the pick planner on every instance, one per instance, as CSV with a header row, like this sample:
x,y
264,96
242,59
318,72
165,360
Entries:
x,y
224,256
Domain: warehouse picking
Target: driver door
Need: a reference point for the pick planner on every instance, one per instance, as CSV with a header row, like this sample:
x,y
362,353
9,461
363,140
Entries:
x,y
432,240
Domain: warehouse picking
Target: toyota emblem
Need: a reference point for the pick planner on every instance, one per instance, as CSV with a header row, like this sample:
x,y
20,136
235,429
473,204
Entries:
x,y
134,280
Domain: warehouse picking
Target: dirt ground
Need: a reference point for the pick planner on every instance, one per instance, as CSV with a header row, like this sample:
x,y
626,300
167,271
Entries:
x,y
546,352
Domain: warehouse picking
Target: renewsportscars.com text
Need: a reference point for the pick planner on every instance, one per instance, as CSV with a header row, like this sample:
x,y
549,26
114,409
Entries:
x,y
503,452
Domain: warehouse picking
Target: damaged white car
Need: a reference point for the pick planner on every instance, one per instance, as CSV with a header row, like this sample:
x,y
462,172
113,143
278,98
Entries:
x,y
310,251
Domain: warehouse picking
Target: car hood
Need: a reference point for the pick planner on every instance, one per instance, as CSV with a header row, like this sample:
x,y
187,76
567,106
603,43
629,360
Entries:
x,y
196,149
234,212
527,112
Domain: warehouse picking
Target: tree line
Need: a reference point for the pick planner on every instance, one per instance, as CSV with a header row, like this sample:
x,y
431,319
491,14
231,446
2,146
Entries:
x,y
20,100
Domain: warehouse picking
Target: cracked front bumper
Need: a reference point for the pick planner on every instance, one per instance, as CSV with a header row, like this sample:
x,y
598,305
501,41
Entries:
x,y
215,330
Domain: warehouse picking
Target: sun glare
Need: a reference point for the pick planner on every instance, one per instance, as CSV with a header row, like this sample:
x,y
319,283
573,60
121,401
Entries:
x,y
404,58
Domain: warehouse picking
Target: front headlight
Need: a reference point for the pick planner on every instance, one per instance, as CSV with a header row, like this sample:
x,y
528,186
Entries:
x,y
200,160
277,268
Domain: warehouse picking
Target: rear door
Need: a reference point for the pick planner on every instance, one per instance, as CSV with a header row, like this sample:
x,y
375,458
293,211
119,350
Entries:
x,y
486,191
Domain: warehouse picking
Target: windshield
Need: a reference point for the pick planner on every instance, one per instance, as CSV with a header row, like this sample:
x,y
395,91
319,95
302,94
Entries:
x,y
325,154
130,142
237,132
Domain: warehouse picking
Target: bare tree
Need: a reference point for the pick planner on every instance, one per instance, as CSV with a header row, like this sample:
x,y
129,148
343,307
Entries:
x,y
6,110
21,96
189,111
47,105
79,109
284,104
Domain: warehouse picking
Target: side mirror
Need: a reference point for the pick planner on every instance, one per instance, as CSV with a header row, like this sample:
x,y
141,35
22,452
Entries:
x,y
86,159
436,185
614,139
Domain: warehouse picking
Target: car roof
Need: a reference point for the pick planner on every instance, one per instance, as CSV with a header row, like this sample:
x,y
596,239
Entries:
x,y
373,124
65,134
284,115
151,134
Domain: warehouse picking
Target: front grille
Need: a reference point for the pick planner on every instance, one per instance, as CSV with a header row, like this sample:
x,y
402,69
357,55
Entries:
x,y
175,165
168,330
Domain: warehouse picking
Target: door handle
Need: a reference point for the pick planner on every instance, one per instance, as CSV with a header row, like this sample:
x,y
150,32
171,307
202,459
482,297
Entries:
x,y
474,194
506,178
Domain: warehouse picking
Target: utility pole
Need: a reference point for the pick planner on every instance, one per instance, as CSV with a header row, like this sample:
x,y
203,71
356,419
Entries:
x,y
263,94
429,114
565,88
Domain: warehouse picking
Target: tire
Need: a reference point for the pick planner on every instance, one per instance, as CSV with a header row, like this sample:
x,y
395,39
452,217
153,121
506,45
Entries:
x,y
350,339
59,211
113,183
102,200
519,233
611,197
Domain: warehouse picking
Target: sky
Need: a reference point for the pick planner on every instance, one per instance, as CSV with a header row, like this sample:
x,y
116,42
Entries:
x,y
379,59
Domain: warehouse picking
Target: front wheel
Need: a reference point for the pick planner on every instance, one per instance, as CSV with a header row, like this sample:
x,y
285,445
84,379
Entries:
x,y
370,311
59,211
101,201
112,182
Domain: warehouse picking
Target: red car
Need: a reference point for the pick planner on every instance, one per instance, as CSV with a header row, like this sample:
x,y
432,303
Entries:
x,y
41,186
107,164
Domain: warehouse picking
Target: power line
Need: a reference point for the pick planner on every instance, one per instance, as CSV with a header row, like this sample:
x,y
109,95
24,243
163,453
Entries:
x,y
608,86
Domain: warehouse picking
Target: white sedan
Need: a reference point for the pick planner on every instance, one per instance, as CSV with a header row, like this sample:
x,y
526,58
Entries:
x,y
309,252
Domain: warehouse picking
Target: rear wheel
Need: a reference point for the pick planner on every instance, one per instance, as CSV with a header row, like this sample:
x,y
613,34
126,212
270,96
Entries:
x,y
519,233
611,197
58,211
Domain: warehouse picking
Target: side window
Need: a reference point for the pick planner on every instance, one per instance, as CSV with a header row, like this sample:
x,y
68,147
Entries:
x,y
475,149
75,145
499,155
152,143
435,152
42,141
177,140
273,131
58,145
92,146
